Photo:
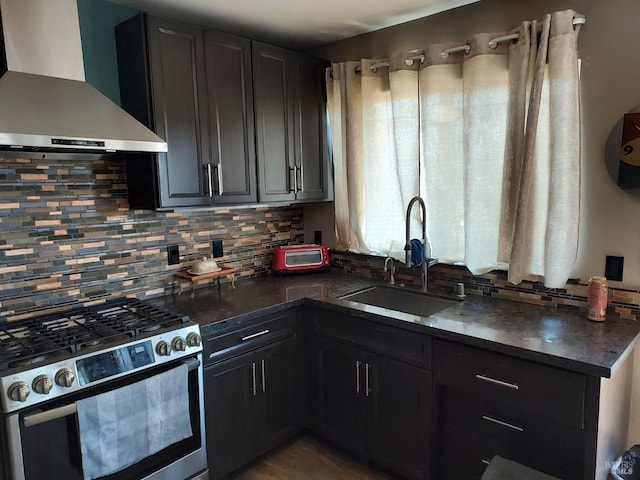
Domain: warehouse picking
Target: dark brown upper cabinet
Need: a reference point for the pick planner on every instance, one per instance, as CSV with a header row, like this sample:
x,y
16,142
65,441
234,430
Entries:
x,y
194,88
197,89
231,134
162,84
291,135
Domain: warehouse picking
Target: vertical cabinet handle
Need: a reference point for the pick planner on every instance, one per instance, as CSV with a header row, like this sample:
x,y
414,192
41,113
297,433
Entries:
x,y
253,375
357,377
220,187
366,379
218,172
264,378
210,180
295,180
298,169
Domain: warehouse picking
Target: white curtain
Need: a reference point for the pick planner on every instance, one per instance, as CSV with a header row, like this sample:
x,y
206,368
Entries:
x,y
376,138
489,138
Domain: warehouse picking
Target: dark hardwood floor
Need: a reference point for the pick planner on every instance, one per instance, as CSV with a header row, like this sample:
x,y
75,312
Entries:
x,y
309,459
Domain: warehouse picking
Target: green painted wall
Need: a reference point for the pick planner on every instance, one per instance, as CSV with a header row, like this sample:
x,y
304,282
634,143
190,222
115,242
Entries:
x,y
97,20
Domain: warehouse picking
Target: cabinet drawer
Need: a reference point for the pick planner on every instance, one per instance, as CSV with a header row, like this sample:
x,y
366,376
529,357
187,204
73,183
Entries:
x,y
391,341
481,429
547,391
265,331
466,457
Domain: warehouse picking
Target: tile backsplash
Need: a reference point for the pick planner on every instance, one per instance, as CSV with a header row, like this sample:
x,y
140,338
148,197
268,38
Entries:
x,y
67,235
624,303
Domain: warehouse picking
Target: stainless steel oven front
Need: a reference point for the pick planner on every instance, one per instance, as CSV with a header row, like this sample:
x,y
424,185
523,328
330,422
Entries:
x,y
43,440
104,391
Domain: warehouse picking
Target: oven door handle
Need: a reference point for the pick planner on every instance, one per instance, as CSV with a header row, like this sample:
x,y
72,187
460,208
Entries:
x,y
49,415
71,409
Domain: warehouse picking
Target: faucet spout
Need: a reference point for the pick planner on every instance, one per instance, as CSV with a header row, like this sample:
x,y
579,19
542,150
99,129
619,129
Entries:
x,y
407,225
426,262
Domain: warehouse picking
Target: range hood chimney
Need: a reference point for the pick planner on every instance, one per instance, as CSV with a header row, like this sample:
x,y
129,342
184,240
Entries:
x,y
45,103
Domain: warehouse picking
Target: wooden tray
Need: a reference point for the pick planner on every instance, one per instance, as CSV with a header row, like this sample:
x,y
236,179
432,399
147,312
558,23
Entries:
x,y
204,276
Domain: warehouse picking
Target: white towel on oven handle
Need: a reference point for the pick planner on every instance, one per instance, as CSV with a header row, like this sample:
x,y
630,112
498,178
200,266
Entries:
x,y
126,425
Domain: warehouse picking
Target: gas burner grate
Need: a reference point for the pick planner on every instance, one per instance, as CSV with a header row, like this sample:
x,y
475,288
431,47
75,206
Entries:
x,y
39,338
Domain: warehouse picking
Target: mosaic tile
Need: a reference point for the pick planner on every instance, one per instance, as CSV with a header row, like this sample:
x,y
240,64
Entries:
x,y
624,303
68,236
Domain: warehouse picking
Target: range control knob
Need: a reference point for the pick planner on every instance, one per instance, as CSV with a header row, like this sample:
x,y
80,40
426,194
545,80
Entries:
x,y
163,348
65,377
42,384
178,344
193,339
18,391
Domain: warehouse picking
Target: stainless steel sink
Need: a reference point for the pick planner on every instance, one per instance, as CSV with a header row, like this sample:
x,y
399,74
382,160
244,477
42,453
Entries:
x,y
400,300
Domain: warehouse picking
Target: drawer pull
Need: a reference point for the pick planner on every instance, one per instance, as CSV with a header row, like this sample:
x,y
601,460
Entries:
x,y
484,378
504,424
486,462
249,337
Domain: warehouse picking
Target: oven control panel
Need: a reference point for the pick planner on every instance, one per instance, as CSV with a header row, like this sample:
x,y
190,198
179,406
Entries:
x,y
56,379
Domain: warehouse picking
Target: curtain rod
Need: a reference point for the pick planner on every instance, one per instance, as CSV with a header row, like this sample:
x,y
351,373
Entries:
x,y
493,43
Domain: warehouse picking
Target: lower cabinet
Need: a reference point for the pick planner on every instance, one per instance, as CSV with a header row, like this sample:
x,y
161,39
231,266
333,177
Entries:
x,y
342,412
414,406
375,407
489,404
400,418
250,405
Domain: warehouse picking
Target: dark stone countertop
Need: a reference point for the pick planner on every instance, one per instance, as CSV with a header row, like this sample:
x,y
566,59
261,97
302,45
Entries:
x,y
542,334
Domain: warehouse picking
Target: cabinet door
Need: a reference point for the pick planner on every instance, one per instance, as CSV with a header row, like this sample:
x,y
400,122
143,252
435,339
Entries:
x,y
399,422
342,401
311,130
176,55
276,385
231,120
230,414
273,79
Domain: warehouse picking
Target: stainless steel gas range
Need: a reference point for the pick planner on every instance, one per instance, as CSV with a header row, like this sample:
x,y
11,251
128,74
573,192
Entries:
x,y
108,391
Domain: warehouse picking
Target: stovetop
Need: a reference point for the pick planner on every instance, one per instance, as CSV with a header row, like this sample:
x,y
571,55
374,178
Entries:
x,y
49,336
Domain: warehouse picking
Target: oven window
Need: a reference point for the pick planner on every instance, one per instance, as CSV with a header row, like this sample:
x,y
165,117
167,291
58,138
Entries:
x,y
54,446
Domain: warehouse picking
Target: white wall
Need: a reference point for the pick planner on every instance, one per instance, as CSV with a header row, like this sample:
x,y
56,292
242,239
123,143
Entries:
x,y
610,49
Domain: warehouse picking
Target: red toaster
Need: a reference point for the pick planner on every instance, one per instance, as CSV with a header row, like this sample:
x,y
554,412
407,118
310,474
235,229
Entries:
x,y
300,258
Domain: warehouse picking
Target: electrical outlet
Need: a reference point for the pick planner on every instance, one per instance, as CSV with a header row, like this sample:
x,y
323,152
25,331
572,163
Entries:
x,y
217,248
613,268
173,255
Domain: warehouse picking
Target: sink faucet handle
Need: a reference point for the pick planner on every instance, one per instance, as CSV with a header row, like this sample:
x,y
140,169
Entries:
x,y
392,269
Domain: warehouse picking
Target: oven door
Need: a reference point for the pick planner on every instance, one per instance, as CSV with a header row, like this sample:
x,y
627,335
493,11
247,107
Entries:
x,y
45,439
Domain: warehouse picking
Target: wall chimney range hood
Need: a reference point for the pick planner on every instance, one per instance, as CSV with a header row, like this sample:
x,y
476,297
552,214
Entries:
x,y
45,103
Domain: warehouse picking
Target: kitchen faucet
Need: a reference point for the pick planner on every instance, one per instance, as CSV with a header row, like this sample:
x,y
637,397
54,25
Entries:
x,y
426,262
